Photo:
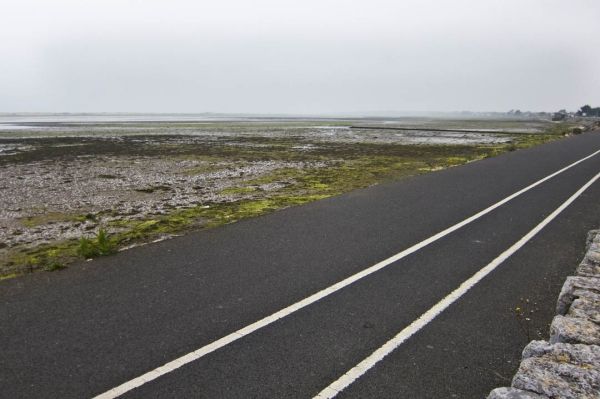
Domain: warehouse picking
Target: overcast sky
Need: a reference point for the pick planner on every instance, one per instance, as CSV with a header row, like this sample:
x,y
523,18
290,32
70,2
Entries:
x,y
309,56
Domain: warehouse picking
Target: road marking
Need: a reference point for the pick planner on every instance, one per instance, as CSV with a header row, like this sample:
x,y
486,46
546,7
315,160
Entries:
x,y
197,354
361,368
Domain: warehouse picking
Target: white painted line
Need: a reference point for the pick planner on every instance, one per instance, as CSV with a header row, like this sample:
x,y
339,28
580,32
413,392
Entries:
x,y
175,364
361,368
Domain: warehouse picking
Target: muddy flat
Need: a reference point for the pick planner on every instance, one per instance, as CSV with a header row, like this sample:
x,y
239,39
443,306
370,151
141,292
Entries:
x,y
141,178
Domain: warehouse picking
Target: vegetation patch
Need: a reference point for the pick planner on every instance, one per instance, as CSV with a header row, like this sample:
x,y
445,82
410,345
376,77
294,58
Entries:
x,y
199,170
239,190
47,257
101,245
49,218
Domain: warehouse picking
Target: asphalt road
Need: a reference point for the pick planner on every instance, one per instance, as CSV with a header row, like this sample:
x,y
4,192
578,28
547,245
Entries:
x,y
82,331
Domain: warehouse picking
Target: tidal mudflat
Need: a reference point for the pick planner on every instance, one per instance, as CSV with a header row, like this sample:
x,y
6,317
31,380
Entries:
x,y
71,190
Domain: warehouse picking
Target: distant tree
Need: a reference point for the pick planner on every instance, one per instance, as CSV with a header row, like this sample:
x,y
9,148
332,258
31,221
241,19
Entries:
x,y
588,111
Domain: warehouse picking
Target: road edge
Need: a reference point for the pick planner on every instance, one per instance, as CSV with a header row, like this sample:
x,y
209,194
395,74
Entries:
x,y
566,365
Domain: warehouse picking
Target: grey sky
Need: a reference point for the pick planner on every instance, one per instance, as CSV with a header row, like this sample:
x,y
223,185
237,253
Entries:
x,y
310,56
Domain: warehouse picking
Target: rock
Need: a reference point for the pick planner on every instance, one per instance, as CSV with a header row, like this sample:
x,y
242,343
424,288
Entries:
x,y
586,353
586,308
512,393
573,330
589,269
592,236
577,287
567,371
593,255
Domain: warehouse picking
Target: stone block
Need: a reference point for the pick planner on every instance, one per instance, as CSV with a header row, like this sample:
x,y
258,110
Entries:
x,y
573,330
567,371
592,256
586,308
577,287
513,393
588,269
593,236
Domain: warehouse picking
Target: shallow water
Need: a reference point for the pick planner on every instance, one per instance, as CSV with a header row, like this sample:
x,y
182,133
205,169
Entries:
x,y
106,118
12,126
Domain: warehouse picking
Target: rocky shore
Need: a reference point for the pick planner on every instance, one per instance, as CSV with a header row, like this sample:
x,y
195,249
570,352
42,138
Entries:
x,y
56,200
63,182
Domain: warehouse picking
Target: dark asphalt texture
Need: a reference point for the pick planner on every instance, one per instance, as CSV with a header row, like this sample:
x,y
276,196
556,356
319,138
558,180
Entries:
x,y
84,330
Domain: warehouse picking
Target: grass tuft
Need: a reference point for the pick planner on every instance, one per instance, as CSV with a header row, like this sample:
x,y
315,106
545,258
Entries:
x,y
102,245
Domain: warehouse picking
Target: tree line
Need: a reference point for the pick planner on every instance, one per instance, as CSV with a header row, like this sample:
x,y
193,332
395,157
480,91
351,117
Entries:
x,y
587,110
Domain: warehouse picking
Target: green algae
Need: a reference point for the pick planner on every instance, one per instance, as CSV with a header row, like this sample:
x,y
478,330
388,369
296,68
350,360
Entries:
x,y
49,218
